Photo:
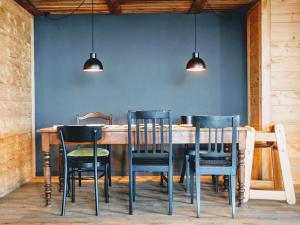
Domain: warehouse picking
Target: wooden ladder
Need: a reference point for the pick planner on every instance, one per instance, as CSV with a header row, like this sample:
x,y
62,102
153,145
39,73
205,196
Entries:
x,y
278,138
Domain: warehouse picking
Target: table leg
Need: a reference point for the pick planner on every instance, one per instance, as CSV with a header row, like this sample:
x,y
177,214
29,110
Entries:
x,y
47,168
241,173
60,169
226,183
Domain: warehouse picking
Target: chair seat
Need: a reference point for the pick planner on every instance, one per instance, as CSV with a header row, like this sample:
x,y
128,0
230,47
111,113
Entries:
x,y
150,158
205,155
204,148
88,152
214,167
213,162
152,161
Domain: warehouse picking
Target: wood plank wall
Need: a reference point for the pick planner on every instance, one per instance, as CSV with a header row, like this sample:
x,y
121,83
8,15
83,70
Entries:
x,y
274,77
16,44
255,79
254,71
285,74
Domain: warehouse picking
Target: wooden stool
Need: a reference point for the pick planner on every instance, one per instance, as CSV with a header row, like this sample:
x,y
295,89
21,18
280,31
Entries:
x,y
272,139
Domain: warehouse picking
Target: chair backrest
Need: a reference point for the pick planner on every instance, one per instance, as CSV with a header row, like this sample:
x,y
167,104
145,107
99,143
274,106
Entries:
x,y
95,115
214,135
146,126
186,119
79,134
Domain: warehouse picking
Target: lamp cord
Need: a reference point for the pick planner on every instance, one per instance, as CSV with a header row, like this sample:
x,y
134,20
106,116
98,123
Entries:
x,y
92,25
195,32
47,16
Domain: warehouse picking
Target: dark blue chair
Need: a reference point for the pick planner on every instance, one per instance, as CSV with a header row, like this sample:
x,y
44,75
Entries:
x,y
189,152
90,160
143,126
94,117
214,160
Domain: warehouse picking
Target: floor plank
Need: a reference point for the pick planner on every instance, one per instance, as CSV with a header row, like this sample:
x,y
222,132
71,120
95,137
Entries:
x,y
26,206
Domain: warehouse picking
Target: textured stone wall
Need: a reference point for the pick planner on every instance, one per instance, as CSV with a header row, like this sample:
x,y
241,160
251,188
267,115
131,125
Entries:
x,y
16,32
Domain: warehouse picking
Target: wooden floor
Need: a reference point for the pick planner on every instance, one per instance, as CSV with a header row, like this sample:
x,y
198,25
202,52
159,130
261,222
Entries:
x,y
26,206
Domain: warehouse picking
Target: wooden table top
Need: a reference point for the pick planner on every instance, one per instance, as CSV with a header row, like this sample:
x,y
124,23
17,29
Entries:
x,y
124,128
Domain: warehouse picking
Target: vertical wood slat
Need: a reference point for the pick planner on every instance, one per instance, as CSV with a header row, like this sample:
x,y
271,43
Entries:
x,y
197,146
209,139
222,140
161,135
216,140
146,134
170,143
138,135
153,135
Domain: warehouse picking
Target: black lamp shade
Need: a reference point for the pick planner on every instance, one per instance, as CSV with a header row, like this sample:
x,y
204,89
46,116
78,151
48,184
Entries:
x,y
93,64
196,64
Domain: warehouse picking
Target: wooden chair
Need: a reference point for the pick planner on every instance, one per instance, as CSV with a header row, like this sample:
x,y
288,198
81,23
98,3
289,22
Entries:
x,y
100,117
189,152
155,157
214,160
93,160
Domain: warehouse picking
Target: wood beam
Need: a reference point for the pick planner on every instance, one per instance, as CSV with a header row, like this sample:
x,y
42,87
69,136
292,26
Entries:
x,y
197,6
114,7
29,7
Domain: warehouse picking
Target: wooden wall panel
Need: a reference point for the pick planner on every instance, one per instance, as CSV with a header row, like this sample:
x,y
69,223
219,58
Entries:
x,y
277,64
16,35
254,71
255,80
285,74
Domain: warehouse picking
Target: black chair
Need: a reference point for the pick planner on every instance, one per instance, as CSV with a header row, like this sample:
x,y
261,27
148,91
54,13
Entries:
x,y
215,160
99,117
145,157
92,160
189,152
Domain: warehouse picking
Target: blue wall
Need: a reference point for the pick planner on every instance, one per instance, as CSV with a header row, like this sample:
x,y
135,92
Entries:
x,y
144,58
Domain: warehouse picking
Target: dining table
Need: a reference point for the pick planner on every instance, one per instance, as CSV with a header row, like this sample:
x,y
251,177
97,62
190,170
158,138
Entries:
x,y
118,135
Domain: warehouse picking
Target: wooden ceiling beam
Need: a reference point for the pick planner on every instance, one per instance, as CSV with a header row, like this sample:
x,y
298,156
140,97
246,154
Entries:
x,y
197,6
117,7
29,7
114,7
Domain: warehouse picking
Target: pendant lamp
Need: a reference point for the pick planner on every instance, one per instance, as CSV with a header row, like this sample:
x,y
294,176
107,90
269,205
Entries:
x,y
196,64
93,64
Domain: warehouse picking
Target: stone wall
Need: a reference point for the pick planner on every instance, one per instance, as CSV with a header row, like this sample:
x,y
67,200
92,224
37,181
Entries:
x,y
16,55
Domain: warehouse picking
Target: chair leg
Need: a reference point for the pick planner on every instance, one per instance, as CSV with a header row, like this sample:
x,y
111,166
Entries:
x,y
61,168
109,168
183,170
69,183
79,177
192,180
187,173
63,205
226,182
134,186
216,179
229,191
73,184
198,186
96,189
130,192
106,174
170,190
161,179
232,187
